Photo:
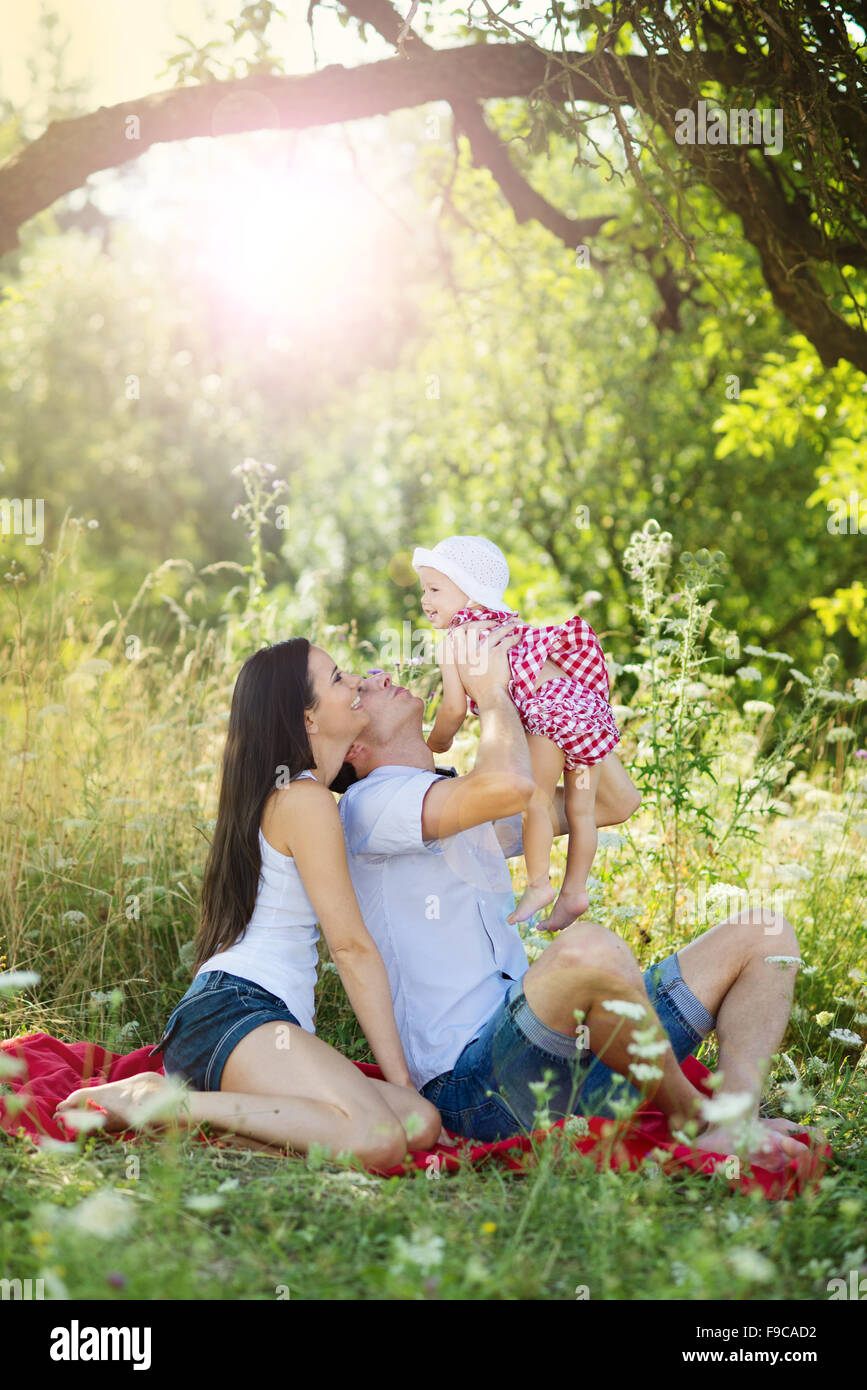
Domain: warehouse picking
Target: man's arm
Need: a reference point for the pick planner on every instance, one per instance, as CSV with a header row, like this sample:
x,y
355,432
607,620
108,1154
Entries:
x,y
501,782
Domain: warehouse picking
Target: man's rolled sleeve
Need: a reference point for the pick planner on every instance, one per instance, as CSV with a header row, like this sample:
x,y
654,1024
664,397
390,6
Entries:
x,y
384,817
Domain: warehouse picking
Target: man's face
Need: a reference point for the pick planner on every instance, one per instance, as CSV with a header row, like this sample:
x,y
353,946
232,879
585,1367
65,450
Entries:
x,y
389,707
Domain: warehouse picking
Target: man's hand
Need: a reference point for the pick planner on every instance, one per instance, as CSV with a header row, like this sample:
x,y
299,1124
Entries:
x,y
481,655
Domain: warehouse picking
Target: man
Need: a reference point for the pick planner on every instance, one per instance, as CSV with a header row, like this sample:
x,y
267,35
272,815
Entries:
x,y
480,1026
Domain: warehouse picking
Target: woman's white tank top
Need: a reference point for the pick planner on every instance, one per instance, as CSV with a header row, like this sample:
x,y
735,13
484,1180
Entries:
x,y
278,948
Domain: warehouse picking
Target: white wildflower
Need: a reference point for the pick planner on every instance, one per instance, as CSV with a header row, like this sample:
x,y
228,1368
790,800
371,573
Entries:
x,y
625,1008
780,656
749,1264
784,960
423,1250
729,1107
74,918
757,707
643,1071
576,1127
204,1203
11,980
105,1214
799,676
755,651
609,839
792,873
846,1036
748,674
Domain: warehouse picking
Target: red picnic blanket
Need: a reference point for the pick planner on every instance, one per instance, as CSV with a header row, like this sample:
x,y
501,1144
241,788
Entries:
x,y
52,1069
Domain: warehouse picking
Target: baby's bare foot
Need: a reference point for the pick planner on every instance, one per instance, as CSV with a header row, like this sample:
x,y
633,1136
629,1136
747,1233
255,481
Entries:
x,y
128,1104
568,906
535,896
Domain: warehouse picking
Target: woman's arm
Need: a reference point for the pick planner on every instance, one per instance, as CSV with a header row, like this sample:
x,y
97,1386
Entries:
x,y
307,819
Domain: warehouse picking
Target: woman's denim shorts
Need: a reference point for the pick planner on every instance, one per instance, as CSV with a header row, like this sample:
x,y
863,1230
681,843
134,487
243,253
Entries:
x,y
216,1012
489,1093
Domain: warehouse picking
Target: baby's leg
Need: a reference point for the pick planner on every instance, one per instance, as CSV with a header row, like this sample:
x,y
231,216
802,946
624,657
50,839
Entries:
x,y
580,786
546,760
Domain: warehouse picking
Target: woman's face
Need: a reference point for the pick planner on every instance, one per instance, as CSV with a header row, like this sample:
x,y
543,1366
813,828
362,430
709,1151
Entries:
x,y
337,714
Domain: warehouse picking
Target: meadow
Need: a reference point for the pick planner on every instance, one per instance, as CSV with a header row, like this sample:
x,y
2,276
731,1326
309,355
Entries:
x,y
755,791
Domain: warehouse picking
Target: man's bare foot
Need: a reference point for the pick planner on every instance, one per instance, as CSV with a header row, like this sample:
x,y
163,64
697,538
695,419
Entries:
x,y
791,1127
535,896
757,1142
128,1104
568,906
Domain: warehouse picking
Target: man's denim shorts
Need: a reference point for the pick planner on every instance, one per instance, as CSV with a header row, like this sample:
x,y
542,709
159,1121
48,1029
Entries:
x,y
216,1012
487,1094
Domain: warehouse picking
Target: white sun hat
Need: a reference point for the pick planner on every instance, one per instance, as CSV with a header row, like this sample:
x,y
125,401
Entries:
x,y
476,565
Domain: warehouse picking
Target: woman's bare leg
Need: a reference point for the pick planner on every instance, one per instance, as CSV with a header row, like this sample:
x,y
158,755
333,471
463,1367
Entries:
x,y
266,1095
546,760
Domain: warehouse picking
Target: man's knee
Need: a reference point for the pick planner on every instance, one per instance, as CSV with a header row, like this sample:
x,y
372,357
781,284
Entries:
x,y
590,946
764,932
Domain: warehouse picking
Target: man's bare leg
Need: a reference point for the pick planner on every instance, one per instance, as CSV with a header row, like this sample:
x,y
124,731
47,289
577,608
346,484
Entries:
x,y
586,966
751,1000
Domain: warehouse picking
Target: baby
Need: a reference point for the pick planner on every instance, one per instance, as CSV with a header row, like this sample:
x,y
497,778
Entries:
x,y
560,687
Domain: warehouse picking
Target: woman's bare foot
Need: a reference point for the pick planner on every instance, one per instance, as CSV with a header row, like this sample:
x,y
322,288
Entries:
x,y
535,896
129,1104
568,906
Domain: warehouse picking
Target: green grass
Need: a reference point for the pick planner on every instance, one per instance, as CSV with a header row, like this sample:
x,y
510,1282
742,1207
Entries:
x,y
108,787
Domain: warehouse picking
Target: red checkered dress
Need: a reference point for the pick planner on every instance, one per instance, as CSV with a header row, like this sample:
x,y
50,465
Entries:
x,y
573,710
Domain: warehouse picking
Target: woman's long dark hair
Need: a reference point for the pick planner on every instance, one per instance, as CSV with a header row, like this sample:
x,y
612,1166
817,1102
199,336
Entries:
x,y
267,744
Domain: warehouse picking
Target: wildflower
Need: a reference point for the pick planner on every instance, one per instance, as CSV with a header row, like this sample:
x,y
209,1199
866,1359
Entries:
x,y
783,960
576,1127
780,656
105,1215
861,752
115,1279
423,1250
755,651
643,1071
17,979
758,707
749,1264
748,674
846,1036
609,839
83,1120
791,873
488,1228
824,1018
204,1202
625,1008
860,688
859,1018
839,735
799,676
695,690
725,1108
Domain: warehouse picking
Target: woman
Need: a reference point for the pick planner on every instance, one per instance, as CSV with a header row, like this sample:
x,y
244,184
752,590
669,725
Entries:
x,y
277,865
